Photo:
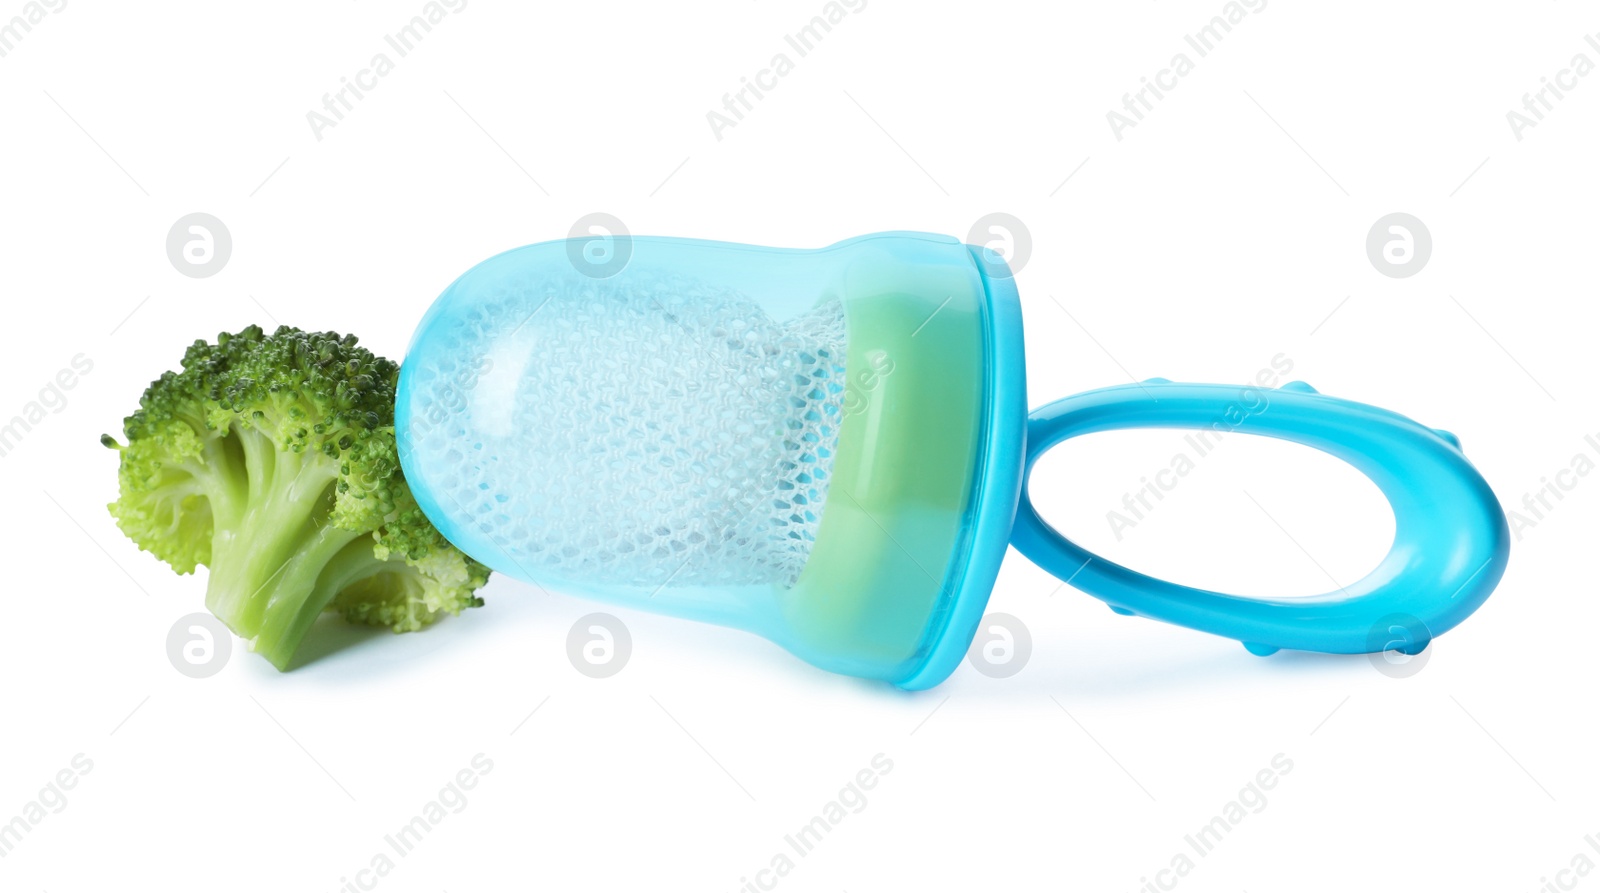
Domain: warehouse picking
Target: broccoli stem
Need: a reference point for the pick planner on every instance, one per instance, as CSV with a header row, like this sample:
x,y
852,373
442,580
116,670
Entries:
x,y
267,560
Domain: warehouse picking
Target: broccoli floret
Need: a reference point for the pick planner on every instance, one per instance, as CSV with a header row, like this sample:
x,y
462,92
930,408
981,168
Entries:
x,y
271,460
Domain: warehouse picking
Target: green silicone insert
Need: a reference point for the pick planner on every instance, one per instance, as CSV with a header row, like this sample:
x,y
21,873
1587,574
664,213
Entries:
x,y
877,584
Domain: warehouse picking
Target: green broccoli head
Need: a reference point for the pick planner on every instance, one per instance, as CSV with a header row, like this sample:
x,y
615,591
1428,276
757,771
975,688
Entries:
x,y
271,460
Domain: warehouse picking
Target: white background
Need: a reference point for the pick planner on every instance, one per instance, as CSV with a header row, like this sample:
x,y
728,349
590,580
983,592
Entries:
x,y
1225,229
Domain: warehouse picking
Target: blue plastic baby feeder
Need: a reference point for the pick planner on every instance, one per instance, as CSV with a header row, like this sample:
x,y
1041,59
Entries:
x,y
830,448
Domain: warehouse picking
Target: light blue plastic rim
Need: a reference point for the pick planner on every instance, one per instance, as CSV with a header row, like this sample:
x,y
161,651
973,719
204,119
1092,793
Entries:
x,y
1451,542
999,477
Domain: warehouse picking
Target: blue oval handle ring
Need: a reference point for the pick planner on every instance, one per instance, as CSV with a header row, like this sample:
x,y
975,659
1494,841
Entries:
x,y
1451,542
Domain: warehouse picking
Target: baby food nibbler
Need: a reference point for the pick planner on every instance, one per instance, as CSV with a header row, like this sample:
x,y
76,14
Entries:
x,y
830,448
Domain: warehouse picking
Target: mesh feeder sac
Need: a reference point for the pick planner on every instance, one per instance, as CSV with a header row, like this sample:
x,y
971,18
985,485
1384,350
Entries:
x,y
830,448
